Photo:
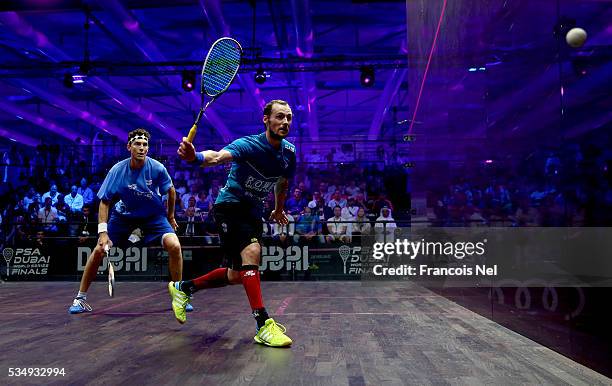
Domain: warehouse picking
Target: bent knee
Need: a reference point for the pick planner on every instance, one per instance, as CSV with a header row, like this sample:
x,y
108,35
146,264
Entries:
x,y
253,249
172,244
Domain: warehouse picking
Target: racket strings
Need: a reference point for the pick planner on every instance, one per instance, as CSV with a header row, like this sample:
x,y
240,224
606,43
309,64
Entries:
x,y
221,66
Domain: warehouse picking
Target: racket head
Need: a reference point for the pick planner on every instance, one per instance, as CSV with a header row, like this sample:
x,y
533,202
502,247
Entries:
x,y
111,274
111,280
220,66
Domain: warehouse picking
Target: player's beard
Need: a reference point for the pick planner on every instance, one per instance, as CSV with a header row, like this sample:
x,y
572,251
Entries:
x,y
277,136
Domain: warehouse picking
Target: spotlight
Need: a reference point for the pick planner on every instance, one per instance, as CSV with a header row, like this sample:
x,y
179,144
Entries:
x,y
188,81
367,76
78,78
260,76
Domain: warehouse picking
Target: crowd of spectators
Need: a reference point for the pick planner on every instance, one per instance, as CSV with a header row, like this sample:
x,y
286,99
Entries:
x,y
328,202
571,187
50,192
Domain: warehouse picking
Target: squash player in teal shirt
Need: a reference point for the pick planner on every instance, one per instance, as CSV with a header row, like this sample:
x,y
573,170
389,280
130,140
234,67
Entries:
x,y
261,163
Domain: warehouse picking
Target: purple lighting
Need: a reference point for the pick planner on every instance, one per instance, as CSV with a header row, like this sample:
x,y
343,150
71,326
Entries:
x,y
131,25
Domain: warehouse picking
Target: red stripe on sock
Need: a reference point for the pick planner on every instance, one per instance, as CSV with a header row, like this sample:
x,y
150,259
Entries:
x,y
251,283
213,279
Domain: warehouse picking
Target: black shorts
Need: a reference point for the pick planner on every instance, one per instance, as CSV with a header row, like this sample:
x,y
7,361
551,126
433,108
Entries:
x,y
239,225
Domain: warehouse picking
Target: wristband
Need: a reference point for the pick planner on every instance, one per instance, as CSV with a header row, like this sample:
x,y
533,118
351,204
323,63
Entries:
x,y
199,159
102,227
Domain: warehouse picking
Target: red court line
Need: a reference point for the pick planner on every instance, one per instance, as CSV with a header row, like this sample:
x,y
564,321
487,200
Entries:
x,y
433,47
283,306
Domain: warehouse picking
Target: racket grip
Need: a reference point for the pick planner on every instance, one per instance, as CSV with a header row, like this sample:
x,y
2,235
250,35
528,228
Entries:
x,y
192,133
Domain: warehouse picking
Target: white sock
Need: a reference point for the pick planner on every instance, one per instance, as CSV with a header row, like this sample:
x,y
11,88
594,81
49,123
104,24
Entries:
x,y
82,295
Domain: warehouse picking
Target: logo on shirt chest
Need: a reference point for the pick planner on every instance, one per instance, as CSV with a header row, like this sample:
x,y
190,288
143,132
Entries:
x,y
258,185
134,189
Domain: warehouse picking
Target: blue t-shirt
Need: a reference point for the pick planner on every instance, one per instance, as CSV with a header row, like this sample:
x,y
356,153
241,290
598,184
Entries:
x,y
139,191
256,168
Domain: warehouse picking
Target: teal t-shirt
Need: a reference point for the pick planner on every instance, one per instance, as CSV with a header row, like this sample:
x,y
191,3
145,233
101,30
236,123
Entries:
x,y
255,169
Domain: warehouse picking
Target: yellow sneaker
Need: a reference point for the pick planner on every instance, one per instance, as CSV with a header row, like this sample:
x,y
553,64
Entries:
x,y
273,334
179,302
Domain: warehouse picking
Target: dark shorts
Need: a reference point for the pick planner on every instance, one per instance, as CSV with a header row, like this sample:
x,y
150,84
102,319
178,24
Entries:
x,y
239,225
153,228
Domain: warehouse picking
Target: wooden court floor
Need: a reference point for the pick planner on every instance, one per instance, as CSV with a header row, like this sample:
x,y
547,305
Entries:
x,y
345,333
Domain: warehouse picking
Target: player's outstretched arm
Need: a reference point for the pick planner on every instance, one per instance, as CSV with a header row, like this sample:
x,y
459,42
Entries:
x,y
205,158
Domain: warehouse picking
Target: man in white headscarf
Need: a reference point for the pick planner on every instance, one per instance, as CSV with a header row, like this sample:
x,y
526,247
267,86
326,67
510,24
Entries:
x,y
385,226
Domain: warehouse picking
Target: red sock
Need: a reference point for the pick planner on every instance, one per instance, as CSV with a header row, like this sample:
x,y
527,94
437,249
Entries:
x,y
251,283
213,279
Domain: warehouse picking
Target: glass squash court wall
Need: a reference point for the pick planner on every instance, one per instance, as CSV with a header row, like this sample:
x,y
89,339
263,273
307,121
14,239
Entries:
x,y
512,129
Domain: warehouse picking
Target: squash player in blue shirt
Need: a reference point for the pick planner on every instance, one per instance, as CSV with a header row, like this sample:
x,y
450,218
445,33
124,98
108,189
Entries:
x,y
260,163
136,186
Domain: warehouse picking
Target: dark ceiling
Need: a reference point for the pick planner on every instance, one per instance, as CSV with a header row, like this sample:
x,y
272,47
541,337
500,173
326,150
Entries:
x,y
313,52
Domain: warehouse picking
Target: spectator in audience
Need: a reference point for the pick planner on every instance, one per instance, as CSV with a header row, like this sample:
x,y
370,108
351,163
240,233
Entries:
x,y
349,212
34,207
360,201
322,189
191,203
86,192
361,225
307,227
210,230
382,202
204,203
363,190
352,189
53,193
182,189
74,201
296,202
29,198
385,226
193,193
63,211
192,221
337,228
304,188
337,200
48,216
39,240
87,225
317,206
